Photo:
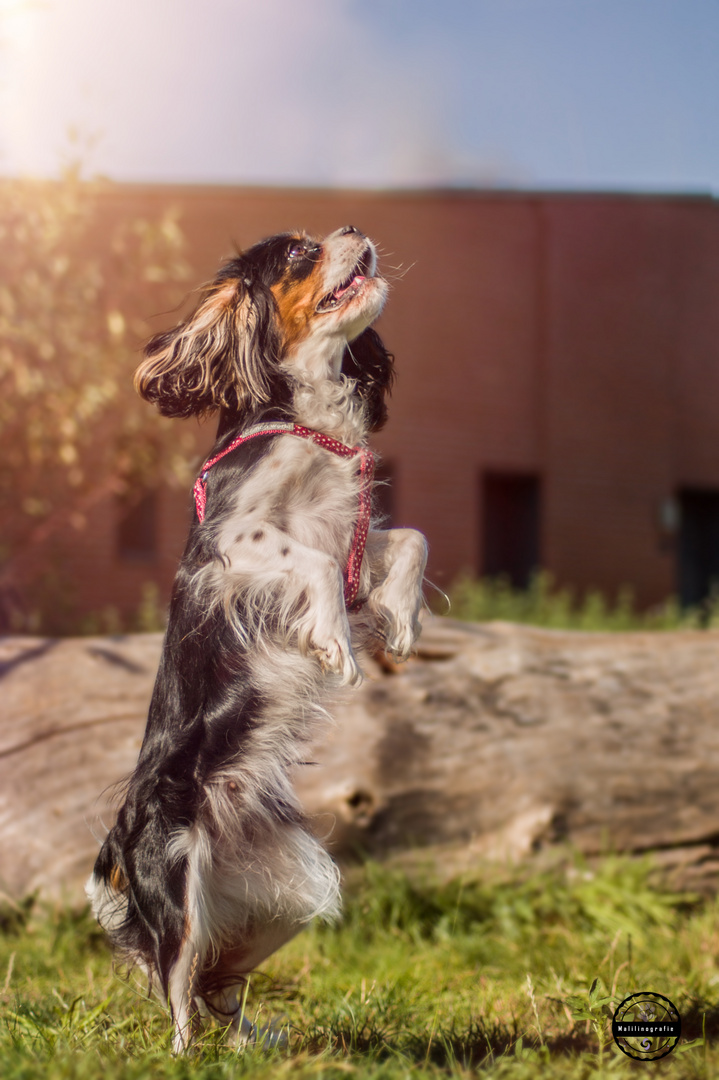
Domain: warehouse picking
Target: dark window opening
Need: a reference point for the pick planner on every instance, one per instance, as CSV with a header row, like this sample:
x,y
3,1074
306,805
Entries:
x,y
698,546
137,527
511,521
383,494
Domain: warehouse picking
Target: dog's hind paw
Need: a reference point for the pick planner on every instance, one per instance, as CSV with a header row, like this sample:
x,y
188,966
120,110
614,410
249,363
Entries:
x,y
272,1036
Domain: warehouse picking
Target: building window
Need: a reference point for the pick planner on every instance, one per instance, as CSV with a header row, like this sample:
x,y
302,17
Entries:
x,y
511,522
698,545
137,526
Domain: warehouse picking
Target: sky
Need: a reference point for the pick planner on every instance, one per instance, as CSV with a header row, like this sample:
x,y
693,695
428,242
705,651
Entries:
x,y
528,94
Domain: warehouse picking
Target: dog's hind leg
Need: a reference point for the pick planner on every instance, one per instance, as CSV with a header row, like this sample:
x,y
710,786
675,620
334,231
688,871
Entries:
x,y
184,975
182,988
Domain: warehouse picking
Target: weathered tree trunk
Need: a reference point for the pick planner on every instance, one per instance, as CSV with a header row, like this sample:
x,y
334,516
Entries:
x,y
497,741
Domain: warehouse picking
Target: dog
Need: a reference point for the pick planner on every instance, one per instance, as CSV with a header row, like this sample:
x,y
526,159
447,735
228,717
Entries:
x,y
211,865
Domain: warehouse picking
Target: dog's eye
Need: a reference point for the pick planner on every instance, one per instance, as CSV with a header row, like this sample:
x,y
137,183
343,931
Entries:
x,y
302,251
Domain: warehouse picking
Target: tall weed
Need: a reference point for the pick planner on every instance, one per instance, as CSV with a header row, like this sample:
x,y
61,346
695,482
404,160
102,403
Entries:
x,y
546,604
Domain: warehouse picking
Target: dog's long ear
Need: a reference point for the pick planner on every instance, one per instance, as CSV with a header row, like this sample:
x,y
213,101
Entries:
x,y
224,355
367,362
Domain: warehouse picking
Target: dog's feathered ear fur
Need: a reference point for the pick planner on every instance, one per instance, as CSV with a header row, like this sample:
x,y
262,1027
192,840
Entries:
x,y
367,362
223,356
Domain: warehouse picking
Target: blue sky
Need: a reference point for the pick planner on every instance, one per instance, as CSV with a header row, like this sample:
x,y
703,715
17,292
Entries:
x,y
566,94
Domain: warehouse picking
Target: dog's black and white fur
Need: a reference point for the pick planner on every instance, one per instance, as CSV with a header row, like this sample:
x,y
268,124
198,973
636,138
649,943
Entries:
x,y
211,865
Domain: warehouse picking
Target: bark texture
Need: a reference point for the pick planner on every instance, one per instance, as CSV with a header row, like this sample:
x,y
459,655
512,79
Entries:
x,y
495,742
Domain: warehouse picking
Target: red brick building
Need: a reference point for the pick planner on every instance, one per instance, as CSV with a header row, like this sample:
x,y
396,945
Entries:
x,y
557,400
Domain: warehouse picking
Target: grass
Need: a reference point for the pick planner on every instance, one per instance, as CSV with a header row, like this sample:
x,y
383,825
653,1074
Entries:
x,y
544,604
509,976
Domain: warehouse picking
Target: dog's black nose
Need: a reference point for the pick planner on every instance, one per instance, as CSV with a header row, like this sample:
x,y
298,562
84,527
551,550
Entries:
x,y
350,229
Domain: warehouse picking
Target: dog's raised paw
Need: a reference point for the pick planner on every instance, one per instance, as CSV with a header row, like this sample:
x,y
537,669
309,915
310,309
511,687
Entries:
x,y
400,643
401,630
337,658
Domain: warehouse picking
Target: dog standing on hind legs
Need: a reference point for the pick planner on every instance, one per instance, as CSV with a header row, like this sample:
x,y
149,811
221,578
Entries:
x,y
211,865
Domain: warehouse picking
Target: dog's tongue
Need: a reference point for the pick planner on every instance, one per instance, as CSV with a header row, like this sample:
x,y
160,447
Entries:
x,y
339,293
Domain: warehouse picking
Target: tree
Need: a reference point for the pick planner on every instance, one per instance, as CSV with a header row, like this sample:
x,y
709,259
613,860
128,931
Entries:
x,y
72,432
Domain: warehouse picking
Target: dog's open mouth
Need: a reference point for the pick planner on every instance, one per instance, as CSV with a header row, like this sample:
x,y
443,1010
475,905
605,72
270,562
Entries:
x,y
349,288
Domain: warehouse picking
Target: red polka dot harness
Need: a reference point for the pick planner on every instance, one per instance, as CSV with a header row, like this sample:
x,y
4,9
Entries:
x,y
366,471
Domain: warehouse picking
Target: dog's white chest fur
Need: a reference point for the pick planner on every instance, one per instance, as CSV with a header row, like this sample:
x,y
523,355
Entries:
x,y
299,494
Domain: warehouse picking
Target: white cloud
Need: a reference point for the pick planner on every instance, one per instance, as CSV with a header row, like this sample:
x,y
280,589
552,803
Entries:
x,y
365,92
226,90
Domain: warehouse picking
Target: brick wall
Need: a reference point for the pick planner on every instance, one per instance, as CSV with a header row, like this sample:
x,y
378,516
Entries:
x,y
575,338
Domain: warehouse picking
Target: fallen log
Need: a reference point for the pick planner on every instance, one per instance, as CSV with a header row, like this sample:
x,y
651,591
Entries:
x,y
495,742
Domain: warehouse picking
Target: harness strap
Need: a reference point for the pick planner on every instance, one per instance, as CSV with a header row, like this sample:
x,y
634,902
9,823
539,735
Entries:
x,y
351,574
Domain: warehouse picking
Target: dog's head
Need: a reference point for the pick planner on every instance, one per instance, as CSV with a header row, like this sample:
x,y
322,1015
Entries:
x,y
289,307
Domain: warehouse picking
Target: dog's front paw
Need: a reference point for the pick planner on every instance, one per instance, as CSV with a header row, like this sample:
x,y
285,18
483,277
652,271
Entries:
x,y
329,641
400,634
398,623
396,601
401,638
337,658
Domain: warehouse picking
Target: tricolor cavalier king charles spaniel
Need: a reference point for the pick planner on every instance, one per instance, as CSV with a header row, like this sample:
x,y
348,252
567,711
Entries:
x,y
211,865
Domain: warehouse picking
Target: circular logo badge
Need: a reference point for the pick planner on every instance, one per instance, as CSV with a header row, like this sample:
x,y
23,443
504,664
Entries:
x,y
646,1026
